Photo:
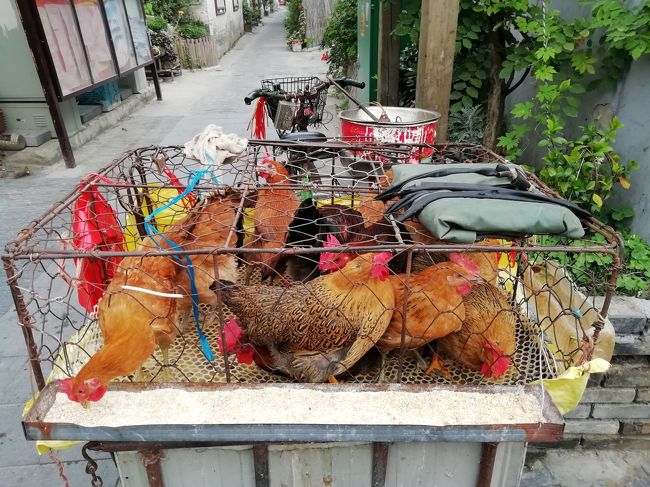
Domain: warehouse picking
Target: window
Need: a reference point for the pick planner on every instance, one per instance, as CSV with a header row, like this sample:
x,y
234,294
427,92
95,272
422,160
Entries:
x,y
235,5
220,6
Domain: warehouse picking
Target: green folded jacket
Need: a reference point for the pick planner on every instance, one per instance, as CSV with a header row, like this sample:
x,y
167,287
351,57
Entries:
x,y
463,220
492,174
463,202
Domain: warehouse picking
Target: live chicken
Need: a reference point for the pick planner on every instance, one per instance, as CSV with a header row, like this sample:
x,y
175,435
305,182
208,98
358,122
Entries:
x,y
134,320
486,341
320,329
274,210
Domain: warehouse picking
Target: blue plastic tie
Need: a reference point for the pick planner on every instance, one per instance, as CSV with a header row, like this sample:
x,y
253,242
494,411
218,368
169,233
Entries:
x,y
184,259
576,312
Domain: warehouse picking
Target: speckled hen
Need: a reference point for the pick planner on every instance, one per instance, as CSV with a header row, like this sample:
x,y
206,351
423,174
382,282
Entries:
x,y
320,329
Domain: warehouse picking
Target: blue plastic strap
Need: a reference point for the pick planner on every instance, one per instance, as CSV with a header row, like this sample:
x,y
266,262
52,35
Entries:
x,y
183,260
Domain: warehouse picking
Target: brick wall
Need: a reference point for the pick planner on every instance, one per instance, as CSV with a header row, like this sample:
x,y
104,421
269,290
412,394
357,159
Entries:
x,y
615,410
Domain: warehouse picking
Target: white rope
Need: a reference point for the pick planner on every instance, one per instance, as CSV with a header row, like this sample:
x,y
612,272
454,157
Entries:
x,y
149,291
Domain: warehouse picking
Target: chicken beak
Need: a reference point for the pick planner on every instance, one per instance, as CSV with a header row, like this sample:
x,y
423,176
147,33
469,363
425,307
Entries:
x,y
85,404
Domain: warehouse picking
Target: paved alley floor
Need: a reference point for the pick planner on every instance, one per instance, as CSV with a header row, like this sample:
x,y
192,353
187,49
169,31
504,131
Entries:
x,y
190,102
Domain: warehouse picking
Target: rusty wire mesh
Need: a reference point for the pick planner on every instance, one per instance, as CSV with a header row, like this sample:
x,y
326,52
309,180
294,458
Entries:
x,y
222,228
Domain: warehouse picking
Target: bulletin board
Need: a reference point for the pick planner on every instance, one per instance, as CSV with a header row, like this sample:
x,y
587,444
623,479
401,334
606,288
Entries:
x,y
90,42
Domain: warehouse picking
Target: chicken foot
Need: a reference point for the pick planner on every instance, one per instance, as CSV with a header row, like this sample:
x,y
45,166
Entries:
x,y
141,376
438,365
381,378
422,364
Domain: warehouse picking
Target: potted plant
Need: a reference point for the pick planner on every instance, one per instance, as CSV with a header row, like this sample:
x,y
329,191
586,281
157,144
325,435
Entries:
x,y
296,45
251,18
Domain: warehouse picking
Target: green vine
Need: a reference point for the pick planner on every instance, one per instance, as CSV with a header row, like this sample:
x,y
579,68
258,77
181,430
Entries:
x,y
170,10
584,168
340,37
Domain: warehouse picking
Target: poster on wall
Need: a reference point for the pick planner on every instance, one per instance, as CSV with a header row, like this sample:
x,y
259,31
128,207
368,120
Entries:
x,y
65,45
95,39
138,25
120,34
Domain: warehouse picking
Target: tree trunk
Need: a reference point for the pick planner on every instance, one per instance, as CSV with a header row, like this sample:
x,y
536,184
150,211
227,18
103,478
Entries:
x,y
497,94
438,23
389,50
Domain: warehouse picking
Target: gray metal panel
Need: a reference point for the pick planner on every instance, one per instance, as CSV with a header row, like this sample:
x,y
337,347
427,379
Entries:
x,y
433,464
508,464
331,465
19,80
311,465
209,467
131,469
193,467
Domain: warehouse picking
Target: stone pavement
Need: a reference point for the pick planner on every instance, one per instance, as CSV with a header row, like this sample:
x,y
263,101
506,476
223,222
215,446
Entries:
x,y
588,468
190,102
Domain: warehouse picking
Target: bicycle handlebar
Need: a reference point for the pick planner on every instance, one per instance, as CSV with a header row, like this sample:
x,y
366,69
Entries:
x,y
291,96
350,82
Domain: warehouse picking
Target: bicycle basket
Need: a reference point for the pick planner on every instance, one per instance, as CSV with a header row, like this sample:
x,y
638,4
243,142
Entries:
x,y
292,84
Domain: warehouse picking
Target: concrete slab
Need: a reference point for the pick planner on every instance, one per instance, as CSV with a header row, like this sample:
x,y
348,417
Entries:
x,y
16,451
12,343
592,468
537,475
14,377
48,475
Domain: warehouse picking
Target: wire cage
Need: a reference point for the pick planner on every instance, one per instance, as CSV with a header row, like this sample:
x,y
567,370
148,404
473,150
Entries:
x,y
297,84
233,242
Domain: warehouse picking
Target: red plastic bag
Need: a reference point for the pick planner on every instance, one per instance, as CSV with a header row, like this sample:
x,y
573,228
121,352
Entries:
x,y
95,227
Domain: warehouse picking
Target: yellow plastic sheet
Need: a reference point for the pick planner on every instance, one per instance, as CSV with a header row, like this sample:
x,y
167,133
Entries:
x,y
567,389
168,216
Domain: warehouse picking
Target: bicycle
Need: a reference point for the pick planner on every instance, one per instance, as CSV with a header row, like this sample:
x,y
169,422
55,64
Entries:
x,y
294,104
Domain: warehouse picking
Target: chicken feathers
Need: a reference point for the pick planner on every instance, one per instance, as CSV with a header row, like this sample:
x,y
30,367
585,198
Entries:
x,y
322,328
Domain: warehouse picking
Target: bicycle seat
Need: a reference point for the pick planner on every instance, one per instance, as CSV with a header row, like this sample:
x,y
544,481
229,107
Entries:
x,y
304,137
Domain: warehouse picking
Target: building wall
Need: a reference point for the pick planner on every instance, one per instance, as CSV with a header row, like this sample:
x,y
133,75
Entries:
x,y
227,28
630,102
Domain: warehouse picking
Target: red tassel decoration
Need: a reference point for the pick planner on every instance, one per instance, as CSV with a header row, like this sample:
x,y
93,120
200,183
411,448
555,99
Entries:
x,y
258,120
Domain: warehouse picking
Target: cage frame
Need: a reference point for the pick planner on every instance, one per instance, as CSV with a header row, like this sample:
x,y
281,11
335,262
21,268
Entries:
x,y
18,250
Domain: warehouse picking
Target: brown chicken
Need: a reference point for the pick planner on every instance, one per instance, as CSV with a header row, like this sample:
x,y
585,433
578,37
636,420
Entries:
x,y
134,321
371,209
470,319
488,262
486,341
320,329
434,306
274,211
